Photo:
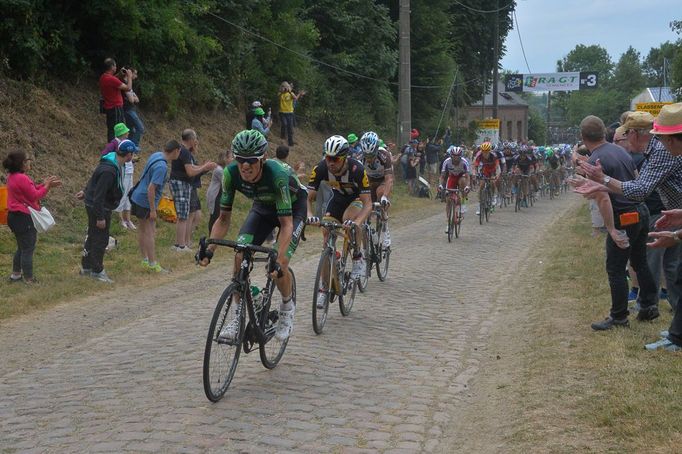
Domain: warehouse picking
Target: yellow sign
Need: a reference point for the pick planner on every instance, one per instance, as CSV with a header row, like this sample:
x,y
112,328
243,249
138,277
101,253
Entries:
x,y
489,124
652,107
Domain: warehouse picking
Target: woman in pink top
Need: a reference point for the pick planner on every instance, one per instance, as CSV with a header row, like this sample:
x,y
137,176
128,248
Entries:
x,y
22,192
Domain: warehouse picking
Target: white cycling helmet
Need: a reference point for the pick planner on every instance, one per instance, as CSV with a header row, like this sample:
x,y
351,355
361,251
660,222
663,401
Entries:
x,y
455,151
369,142
336,146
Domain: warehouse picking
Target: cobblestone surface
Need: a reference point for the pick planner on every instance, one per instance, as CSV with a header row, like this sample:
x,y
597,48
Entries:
x,y
388,378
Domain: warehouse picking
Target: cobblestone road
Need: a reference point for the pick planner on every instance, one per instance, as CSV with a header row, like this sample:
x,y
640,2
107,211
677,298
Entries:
x,y
391,377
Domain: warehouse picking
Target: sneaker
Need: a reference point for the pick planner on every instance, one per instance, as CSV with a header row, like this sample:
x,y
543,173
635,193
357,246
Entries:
x,y
124,226
130,225
183,248
632,296
636,307
285,324
464,209
14,278
478,212
359,268
156,268
230,331
102,277
609,322
387,239
648,314
664,344
664,334
85,272
321,299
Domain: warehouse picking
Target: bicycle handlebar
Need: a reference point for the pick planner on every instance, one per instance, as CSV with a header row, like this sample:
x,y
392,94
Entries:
x,y
244,247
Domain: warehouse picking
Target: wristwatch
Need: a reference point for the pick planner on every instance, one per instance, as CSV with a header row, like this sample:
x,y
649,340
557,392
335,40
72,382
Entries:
x,y
676,236
606,180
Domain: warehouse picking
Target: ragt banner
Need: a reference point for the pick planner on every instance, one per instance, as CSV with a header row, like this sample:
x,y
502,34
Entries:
x,y
566,81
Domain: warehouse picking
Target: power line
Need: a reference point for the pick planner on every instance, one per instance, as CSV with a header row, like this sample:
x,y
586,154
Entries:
x,y
320,62
518,31
484,11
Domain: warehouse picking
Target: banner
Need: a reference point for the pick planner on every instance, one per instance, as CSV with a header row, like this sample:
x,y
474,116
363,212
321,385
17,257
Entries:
x,y
567,81
488,130
654,108
492,123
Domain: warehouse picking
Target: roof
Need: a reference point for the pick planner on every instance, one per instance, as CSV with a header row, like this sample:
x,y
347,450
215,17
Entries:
x,y
508,99
660,94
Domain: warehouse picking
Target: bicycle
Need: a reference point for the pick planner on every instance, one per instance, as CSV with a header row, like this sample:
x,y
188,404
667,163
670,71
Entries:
x,y
454,209
236,301
522,192
485,200
376,253
333,278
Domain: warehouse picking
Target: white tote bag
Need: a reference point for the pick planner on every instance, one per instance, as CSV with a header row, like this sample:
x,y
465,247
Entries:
x,y
42,220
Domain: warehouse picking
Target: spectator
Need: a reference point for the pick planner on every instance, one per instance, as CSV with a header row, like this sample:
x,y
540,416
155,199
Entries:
x,y
110,88
22,193
121,133
102,194
145,199
621,213
286,111
250,113
447,138
282,155
259,123
581,154
130,102
421,154
215,188
183,171
414,134
411,171
123,209
432,158
355,151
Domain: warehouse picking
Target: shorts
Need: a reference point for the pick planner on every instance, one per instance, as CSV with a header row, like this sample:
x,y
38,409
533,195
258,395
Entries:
x,y
339,203
373,186
127,186
138,211
262,219
488,173
194,201
453,182
181,191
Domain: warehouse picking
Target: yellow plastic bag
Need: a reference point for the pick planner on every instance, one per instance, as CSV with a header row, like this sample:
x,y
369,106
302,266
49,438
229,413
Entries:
x,y
166,210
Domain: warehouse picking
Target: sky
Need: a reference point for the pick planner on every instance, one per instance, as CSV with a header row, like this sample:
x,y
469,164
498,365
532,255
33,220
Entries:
x,y
550,29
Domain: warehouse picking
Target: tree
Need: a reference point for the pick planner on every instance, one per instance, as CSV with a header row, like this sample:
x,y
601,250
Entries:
x,y
537,127
653,63
588,58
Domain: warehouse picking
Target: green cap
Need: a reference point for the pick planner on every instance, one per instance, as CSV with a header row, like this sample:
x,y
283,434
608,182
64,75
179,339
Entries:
x,y
258,111
120,129
382,144
352,138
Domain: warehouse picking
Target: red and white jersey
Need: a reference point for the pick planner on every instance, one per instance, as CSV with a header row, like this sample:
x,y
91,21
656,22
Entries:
x,y
456,170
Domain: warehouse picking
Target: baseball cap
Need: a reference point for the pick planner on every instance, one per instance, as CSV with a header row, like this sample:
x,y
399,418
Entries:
x,y
256,104
126,146
352,138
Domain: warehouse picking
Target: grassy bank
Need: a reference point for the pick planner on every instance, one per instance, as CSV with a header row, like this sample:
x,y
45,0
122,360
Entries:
x,y
583,390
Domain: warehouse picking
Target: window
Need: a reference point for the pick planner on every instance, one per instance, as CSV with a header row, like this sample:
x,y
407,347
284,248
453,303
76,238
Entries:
x,y
509,130
519,130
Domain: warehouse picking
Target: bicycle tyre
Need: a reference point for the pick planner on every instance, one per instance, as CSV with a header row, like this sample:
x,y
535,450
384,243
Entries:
x,y
349,287
481,206
271,354
366,254
450,222
213,354
320,314
488,205
458,219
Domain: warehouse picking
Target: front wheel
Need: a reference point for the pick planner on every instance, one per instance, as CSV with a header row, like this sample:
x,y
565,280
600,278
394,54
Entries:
x,y
451,220
272,350
458,219
349,285
222,354
322,290
366,255
384,254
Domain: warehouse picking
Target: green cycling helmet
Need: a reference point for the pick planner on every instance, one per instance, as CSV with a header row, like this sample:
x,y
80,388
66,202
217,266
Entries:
x,y
249,144
549,152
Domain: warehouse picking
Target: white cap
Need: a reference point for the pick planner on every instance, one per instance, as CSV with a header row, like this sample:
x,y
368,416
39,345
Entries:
x,y
256,104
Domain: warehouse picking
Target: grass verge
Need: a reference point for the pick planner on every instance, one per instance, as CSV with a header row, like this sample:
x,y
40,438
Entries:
x,y
57,256
582,390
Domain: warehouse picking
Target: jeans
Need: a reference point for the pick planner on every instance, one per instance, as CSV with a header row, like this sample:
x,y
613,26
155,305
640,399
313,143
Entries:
x,y
96,242
616,263
114,116
135,124
26,235
287,126
675,330
666,259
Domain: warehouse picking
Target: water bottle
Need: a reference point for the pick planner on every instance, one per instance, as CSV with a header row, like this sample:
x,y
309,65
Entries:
x,y
623,235
257,298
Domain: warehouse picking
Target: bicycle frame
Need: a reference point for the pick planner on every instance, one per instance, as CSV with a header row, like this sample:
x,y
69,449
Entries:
x,y
335,230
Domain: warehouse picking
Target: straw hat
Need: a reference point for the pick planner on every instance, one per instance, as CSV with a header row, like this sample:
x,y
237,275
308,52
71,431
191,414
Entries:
x,y
669,120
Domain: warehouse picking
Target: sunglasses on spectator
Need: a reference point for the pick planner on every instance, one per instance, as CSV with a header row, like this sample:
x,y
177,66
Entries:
x,y
334,158
242,160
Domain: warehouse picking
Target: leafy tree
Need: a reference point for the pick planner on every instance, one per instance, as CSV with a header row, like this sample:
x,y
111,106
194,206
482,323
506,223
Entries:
x,y
588,58
653,63
537,127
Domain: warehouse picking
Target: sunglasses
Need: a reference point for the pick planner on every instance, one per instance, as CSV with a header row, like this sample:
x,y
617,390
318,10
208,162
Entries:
x,y
334,158
242,160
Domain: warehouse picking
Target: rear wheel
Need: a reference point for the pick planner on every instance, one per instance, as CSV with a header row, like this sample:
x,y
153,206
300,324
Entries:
x,y
272,350
222,355
349,285
322,289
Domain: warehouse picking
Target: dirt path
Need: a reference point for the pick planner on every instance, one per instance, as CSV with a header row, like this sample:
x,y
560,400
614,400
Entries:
x,y
122,372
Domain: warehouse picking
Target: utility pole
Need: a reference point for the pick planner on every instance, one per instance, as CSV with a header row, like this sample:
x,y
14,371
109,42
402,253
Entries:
x,y
549,116
404,95
496,56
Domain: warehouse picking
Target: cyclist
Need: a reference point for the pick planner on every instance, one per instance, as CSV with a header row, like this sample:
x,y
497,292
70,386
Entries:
x,y
351,201
488,166
455,174
523,165
379,169
279,200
